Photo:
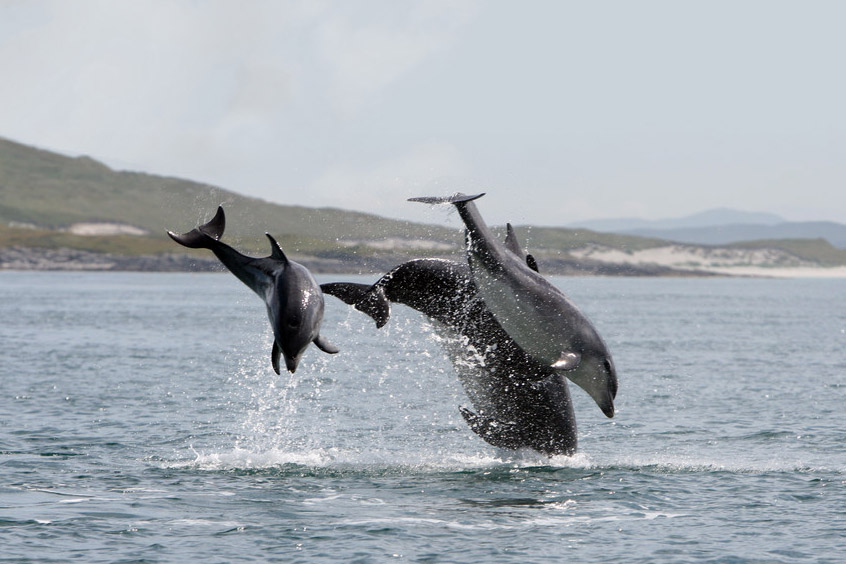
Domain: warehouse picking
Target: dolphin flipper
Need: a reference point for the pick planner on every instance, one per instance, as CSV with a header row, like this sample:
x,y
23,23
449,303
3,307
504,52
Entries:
x,y
274,357
496,433
323,344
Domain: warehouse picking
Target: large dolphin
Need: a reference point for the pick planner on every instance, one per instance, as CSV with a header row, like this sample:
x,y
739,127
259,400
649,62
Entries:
x,y
538,316
293,298
520,402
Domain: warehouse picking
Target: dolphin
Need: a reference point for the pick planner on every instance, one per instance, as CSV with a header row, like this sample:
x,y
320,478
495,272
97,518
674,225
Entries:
x,y
543,322
293,297
519,401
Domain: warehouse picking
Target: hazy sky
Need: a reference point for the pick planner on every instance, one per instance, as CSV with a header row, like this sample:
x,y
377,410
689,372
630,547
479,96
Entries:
x,y
560,111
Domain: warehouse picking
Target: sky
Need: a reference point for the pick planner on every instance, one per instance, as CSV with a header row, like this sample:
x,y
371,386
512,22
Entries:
x,y
561,111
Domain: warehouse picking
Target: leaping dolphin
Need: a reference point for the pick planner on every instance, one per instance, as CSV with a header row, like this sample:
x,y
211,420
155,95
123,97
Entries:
x,y
538,316
520,402
293,298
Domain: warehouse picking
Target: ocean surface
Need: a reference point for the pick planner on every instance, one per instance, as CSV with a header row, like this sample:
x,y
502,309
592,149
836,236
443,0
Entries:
x,y
140,421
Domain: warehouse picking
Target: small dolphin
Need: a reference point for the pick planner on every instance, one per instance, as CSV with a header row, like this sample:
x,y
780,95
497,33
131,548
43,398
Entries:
x,y
293,297
537,315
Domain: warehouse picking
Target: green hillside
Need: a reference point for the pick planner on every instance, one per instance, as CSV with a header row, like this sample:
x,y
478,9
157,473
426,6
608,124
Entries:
x,y
52,192
42,194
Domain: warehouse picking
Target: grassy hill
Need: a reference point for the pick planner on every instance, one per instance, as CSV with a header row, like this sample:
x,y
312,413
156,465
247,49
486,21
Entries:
x,y
44,194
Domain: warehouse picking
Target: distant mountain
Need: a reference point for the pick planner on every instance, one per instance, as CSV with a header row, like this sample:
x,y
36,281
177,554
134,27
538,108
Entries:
x,y
709,218
834,233
723,226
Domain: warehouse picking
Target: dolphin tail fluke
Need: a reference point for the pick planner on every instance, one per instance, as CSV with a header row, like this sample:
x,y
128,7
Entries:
x,y
363,297
204,236
496,433
323,344
455,199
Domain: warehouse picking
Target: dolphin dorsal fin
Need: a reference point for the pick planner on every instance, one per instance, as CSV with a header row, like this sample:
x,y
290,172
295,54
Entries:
x,y
513,245
511,241
275,250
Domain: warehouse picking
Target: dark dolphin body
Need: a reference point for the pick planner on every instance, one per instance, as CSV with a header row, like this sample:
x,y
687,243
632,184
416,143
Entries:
x,y
293,298
542,321
520,402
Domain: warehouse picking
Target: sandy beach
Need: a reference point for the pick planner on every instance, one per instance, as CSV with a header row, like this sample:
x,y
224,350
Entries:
x,y
770,263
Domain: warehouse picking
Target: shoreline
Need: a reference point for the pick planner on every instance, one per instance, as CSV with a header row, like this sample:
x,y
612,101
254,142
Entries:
x,y
70,260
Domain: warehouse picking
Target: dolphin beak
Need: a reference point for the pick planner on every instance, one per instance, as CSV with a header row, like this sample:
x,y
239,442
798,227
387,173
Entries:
x,y
603,397
291,363
599,381
607,407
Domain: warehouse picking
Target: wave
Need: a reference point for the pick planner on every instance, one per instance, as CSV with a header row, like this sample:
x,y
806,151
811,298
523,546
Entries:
x,y
376,462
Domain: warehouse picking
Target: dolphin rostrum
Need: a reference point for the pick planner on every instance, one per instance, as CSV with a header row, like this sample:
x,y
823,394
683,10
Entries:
x,y
538,316
293,298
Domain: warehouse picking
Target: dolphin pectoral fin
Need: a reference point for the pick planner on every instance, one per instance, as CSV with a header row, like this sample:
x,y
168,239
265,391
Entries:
x,y
325,345
274,356
363,297
532,263
199,238
496,433
567,361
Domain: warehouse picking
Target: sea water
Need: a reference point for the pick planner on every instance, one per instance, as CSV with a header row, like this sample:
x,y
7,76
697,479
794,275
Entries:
x,y
140,421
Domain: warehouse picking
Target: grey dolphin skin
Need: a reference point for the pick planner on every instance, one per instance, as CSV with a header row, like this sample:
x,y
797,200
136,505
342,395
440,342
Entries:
x,y
543,322
520,402
293,298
